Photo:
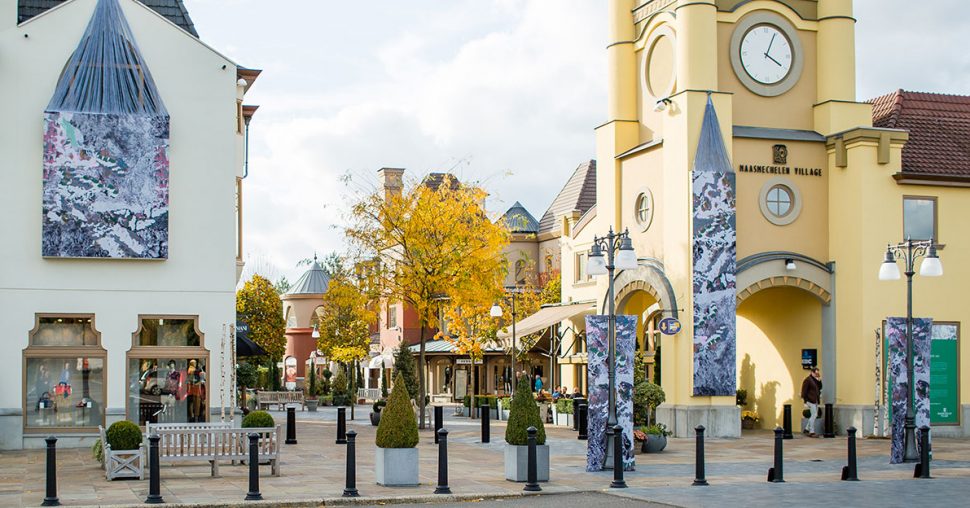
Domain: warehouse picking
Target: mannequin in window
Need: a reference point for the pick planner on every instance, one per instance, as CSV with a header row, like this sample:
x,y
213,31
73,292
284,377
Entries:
x,y
64,385
192,378
447,384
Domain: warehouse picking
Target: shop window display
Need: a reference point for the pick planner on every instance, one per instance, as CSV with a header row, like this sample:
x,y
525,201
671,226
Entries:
x,y
168,333
64,374
167,390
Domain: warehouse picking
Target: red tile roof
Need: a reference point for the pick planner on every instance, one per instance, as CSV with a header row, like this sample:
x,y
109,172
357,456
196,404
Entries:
x,y
938,126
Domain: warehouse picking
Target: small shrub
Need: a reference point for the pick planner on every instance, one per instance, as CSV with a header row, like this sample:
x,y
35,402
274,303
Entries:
x,y
340,395
405,365
564,406
398,427
657,429
524,414
258,419
379,404
742,397
646,397
326,400
98,451
123,435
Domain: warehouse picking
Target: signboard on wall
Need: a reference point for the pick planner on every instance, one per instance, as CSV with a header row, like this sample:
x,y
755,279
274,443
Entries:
x,y
809,358
944,374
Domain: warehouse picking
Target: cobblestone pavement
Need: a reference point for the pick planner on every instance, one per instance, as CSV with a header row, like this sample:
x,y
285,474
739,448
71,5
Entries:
x,y
313,471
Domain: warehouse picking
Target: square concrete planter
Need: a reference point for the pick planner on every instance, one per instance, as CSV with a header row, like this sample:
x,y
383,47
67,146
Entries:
x,y
396,467
517,463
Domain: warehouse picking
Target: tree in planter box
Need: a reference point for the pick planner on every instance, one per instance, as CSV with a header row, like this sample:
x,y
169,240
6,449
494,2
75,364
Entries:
x,y
524,414
397,437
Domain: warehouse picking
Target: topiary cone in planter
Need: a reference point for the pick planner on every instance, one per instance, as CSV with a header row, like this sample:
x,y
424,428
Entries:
x,y
396,461
524,413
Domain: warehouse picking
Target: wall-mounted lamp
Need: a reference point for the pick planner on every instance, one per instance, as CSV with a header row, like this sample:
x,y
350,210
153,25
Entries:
x,y
662,105
241,82
790,265
316,332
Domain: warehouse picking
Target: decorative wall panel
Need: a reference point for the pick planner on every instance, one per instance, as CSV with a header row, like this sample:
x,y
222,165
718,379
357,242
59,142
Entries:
x,y
896,335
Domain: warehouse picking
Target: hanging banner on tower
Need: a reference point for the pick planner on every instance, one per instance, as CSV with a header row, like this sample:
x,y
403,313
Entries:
x,y
598,348
714,251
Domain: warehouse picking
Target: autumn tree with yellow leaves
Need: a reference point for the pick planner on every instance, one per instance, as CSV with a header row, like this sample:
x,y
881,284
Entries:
x,y
260,307
428,244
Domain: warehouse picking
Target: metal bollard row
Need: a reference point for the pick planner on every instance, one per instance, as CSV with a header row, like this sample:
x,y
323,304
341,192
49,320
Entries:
x,y
350,489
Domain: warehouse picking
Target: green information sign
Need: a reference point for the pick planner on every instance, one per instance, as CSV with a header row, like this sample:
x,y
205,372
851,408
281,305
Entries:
x,y
944,375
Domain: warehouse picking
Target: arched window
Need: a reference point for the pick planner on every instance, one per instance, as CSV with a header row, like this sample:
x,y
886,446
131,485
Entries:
x,y
520,271
168,371
290,318
64,377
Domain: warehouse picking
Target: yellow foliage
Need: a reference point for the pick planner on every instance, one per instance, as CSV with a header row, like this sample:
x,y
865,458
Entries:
x,y
260,307
344,320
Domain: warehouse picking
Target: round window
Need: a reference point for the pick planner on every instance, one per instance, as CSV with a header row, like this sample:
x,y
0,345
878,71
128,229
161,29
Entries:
x,y
644,209
780,201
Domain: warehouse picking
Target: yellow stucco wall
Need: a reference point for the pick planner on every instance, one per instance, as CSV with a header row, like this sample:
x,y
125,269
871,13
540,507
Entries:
x,y
774,325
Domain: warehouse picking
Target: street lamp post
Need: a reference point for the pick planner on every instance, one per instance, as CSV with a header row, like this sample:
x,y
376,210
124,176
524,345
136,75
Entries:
x,y
496,312
910,251
619,255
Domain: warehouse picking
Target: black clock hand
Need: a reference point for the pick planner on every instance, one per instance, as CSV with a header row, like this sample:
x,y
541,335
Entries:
x,y
772,59
770,44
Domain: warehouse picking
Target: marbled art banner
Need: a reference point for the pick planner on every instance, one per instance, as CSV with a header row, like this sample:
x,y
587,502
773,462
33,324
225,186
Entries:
x,y
105,190
714,284
597,342
922,343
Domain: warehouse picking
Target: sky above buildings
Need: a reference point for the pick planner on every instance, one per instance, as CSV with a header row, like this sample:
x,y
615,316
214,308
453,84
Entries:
x,y
501,92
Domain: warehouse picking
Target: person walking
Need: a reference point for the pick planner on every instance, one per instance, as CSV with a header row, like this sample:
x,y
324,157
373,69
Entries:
x,y
812,395
538,383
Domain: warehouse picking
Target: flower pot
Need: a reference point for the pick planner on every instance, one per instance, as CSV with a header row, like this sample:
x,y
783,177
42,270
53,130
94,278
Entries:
x,y
375,418
311,405
638,446
517,463
654,444
747,423
396,467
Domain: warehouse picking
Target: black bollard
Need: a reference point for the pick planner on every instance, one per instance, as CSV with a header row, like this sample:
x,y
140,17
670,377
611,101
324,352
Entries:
x,y
253,494
350,490
786,422
442,487
439,421
576,413
583,422
699,479
154,472
923,467
290,425
486,419
777,474
618,481
341,425
51,498
829,430
850,472
532,480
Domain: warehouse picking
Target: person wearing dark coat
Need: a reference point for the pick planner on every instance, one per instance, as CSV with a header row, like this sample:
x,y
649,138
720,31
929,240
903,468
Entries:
x,y
812,395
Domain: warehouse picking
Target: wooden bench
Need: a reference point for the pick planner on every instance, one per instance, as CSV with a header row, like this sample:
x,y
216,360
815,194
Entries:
x,y
217,443
122,463
280,399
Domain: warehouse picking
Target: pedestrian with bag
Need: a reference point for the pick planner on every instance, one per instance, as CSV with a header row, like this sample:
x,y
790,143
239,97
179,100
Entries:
x,y
812,395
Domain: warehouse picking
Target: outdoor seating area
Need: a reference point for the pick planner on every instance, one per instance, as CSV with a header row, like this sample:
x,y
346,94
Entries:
x,y
265,399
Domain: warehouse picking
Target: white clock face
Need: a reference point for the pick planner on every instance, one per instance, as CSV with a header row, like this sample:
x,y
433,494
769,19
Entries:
x,y
766,54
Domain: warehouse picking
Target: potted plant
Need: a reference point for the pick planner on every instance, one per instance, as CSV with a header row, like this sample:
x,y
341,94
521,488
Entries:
x,y
749,419
312,390
562,412
525,414
396,462
639,440
341,397
375,415
504,404
741,397
259,420
656,435
123,451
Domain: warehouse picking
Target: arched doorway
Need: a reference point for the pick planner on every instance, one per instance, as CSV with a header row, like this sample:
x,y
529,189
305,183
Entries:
x,y
777,318
646,293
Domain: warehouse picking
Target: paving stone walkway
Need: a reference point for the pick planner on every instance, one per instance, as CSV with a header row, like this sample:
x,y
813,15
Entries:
x,y
313,471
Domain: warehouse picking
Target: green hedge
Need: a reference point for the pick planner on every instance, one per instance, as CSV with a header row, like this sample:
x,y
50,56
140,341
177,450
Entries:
x,y
491,400
258,419
564,406
398,427
524,414
123,435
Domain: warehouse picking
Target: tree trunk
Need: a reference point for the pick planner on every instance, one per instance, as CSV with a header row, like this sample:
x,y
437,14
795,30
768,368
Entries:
x,y
421,387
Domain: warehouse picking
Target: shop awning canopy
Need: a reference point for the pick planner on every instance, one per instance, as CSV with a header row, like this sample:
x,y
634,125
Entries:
x,y
544,318
386,358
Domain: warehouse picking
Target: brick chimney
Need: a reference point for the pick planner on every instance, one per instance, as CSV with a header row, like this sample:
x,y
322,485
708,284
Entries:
x,y
392,179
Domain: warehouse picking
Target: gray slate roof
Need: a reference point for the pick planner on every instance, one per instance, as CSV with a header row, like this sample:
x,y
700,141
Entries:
x,y
314,281
579,193
173,10
711,153
519,220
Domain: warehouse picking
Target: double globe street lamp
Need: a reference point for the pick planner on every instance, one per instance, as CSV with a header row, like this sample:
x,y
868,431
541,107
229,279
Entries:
x,y
608,254
909,252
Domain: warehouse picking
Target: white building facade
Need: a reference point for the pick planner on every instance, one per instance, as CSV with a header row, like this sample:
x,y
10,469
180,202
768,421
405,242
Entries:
x,y
89,341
